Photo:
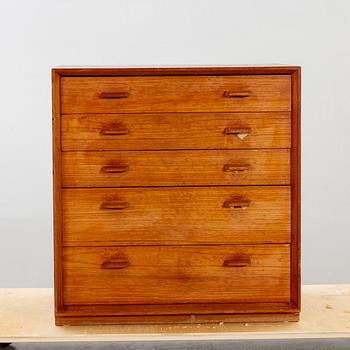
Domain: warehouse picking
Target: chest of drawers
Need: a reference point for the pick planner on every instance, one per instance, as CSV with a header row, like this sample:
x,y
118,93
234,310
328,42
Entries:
x,y
176,194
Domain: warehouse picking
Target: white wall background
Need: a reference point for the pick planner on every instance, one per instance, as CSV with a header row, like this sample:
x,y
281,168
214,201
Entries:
x,y
39,34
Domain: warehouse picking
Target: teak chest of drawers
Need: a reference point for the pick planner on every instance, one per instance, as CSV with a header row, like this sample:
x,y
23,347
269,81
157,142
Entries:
x,y
176,194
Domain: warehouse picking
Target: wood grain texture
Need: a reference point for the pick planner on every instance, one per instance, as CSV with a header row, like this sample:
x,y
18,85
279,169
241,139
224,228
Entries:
x,y
175,168
176,215
157,131
235,308
176,94
196,112
103,71
57,176
296,189
163,275
177,319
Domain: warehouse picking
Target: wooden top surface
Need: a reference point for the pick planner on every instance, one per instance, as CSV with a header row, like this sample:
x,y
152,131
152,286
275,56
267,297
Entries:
x,y
26,315
174,70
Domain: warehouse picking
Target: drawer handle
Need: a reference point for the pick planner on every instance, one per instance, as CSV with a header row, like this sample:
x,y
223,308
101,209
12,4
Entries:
x,y
237,131
115,264
115,95
236,168
237,261
237,203
236,94
114,169
114,205
115,132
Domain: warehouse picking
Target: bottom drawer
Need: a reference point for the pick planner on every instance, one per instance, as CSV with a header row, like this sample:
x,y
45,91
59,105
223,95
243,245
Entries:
x,y
173,274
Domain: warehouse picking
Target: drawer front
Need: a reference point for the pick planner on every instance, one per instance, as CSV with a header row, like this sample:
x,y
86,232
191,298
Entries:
x,y
175,168
256,93
170,275
175,131
202,215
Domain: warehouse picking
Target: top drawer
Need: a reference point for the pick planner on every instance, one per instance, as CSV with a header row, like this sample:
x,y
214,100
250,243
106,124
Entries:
x,y
241,93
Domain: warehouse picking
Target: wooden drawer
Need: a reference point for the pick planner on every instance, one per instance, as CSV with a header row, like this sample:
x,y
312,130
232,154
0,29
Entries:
x,y
157,131
240,93
175,215
175,168
164,275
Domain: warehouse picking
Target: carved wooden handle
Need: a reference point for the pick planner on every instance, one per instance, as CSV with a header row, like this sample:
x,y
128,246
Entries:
x,y
115,94
114,169
237,130
236,203
236,168
237,261
114,132
115,264
236,94
114,205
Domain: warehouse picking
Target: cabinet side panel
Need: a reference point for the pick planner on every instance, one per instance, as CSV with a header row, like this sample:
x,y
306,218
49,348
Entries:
x,y
296,187
57,222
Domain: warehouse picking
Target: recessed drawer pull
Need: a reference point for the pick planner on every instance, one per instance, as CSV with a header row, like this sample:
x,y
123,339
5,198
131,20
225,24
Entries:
x,y
236,168
237,131
115,95
238,261
114,132
115,264
114,169
237,203
114,205
236,94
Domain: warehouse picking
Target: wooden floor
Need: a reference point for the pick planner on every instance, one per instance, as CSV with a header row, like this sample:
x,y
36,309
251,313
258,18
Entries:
x,y
26,315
